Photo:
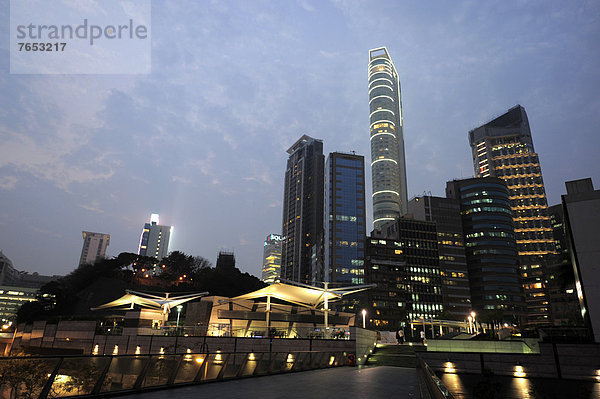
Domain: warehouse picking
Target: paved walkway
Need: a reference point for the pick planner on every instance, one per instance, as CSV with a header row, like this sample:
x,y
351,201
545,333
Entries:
x,y
342,382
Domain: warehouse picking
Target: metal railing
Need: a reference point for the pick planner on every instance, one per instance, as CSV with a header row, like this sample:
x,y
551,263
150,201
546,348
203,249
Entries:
x,y
435,386
73,376
225,330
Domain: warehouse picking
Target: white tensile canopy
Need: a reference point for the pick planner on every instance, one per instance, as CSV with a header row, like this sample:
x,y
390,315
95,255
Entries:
x,y
303,295
150,301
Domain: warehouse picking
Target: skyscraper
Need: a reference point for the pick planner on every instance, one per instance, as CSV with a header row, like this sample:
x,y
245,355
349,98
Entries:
x,y
503,148
154,241
388,166
345,218
271,258
490,246
302,227
94,247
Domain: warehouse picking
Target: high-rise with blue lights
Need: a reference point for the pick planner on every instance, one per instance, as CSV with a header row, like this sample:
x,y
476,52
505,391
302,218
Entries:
x,y
344,218
388,166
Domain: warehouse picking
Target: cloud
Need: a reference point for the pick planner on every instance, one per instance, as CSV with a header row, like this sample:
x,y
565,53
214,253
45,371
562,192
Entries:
x,y
306,6
48,161
48,232
93,207
8,182
181,179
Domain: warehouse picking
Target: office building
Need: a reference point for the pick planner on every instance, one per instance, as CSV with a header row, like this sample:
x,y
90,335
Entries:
x,y
403,260
225,260
581,206
94,247
154,241
271,270
388,166
504,148
445,212
302,225
344,218
490,247
561,279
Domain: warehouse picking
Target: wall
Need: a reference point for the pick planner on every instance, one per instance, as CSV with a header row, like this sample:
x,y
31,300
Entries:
x,y
571,361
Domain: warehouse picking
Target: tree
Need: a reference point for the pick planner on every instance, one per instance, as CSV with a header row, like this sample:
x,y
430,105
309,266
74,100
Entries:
x,y
59,297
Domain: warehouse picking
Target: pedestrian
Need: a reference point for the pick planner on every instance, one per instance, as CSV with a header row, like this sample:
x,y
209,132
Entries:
x,y
401,336
423,339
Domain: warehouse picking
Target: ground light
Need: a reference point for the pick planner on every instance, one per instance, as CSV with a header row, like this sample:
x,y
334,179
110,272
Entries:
x,y
251,357
598,375
331,360
95,351
290,358
116,350
138,350
449,367
519,371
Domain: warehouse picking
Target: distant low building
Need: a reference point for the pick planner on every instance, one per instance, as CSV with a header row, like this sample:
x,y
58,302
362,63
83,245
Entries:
x,y
17,288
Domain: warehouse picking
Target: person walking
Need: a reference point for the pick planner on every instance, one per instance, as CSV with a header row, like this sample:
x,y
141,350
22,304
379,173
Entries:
x,y
400,336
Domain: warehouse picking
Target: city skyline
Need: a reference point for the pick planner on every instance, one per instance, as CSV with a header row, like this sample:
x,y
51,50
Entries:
x,y
202,139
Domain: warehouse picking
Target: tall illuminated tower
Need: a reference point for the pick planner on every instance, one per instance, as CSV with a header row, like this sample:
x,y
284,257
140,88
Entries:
x,y
388,166
154,241
271,259
503,148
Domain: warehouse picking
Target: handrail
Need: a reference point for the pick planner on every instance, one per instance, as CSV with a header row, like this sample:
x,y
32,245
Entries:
x,y
435,386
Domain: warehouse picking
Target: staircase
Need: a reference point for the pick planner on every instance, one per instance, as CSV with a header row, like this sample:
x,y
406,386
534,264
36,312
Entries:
x,y
394,355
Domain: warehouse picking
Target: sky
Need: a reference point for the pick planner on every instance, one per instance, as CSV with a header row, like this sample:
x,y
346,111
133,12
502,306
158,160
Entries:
x,y
202,139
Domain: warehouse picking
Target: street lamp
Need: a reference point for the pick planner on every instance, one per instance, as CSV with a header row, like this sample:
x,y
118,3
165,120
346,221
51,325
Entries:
x,y
179,307
364,314
474,322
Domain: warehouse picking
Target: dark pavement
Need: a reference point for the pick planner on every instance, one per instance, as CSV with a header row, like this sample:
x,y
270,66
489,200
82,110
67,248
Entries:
x,y
341,382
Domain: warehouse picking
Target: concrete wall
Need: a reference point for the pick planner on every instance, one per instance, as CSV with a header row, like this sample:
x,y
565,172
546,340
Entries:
x,y
456,345
572,361
365,342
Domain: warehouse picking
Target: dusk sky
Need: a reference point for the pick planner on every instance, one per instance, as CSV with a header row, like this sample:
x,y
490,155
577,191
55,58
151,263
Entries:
x,y
202,140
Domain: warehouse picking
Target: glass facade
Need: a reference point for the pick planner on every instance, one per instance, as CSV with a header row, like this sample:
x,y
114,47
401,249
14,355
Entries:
x,y
490,246
345,218
388,165
403,260
302,227
445,212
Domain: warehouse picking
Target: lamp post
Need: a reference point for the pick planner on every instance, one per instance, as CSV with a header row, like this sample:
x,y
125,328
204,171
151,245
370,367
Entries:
x,y
179,307
474,321
364,315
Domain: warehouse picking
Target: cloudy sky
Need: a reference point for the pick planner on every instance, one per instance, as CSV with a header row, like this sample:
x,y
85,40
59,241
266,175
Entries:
x,y
202,139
